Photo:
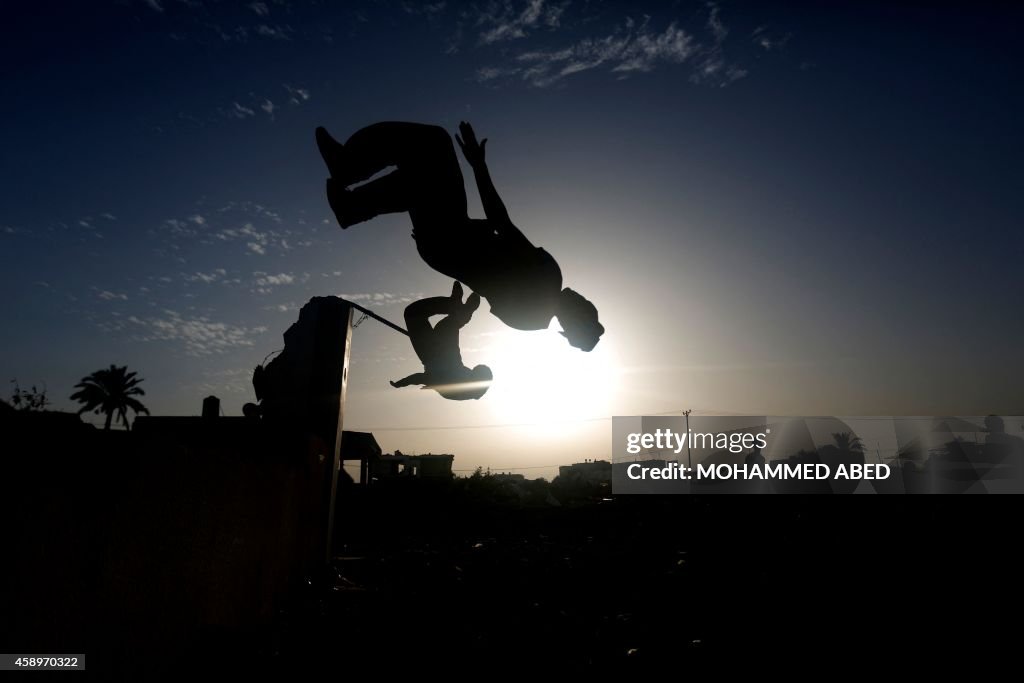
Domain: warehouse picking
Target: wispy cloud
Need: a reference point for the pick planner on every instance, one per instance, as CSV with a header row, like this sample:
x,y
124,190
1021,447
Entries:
x,y
713,67
252,228
767,41
382,298
242,112
260,8
509,20
427,8
242,34
718,29
264,283
279,279
636,49
229,381
154,5
283,308
258,240
215,275
630,47
275,32
296,95
199,336
241,108
91,224
107,295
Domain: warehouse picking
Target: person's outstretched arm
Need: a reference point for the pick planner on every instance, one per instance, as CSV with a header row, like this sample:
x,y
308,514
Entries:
x,y
474,153
415,378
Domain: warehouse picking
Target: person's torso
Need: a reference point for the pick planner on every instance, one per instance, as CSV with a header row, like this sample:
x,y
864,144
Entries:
x,y
440,353
524,294
521,282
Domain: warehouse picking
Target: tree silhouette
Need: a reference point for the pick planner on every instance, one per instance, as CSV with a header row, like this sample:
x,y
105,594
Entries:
x,y
847,442
110,391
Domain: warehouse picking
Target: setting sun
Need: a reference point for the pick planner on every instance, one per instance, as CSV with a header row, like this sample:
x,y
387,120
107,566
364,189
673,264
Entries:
x,y
540,379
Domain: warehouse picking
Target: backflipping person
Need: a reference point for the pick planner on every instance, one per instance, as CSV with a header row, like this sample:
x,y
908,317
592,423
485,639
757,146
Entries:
x,y
521,282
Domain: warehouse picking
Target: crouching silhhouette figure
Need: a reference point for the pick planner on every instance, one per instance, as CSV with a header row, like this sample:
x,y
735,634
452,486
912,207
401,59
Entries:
x,y
438,347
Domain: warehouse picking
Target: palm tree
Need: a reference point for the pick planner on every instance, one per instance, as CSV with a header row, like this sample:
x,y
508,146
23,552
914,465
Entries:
x,y
110,391
847,442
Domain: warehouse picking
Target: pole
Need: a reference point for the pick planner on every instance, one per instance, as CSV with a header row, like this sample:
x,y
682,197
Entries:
x,y
689,457
376,317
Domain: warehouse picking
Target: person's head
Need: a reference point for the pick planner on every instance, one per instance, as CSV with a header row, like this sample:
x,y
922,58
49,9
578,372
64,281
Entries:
x,y
471,384
578,318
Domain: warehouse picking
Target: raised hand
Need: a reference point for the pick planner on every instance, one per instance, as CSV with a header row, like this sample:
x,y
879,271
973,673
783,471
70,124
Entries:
x,y
471,149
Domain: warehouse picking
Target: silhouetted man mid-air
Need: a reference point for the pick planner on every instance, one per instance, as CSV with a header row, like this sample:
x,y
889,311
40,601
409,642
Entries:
x,y
438,347
521,282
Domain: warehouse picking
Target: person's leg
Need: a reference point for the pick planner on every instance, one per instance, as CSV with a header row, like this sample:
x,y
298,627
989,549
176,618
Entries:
x,y
421,333
389,194
462,313
428,181
375,147
422,309
446,331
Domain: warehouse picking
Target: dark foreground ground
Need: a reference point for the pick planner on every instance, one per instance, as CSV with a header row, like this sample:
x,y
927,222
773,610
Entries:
x,y
658,583
472,576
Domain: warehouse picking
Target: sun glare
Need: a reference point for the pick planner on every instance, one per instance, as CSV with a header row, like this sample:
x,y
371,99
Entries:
x,y
540,379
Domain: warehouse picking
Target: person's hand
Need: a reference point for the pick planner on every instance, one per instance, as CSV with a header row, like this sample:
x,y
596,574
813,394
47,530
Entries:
x,y
471,149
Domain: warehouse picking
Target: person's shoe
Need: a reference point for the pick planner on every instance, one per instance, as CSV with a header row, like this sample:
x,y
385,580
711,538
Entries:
x,y
332,151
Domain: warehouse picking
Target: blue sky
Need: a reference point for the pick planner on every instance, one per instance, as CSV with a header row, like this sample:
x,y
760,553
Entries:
x,y
777,207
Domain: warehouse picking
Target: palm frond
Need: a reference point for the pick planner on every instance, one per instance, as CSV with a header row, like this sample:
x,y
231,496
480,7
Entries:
x,y
109,391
